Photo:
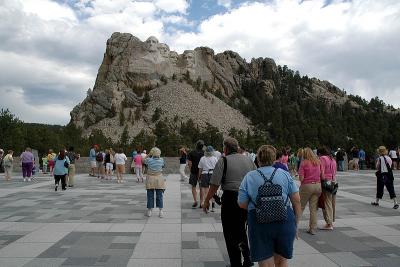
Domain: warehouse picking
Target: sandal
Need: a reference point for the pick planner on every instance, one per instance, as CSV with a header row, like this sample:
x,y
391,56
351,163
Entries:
x,y
376,204
311,232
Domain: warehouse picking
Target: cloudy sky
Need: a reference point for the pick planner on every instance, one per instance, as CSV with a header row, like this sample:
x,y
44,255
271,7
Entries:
x,y
50,50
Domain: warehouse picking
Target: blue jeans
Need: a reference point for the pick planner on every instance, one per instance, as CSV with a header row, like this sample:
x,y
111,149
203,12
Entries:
x,y
159,198
341,165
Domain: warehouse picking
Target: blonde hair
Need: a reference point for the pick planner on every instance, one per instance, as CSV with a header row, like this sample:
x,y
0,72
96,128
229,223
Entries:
x,y
155,152
266,155
382,151
309,155
300,152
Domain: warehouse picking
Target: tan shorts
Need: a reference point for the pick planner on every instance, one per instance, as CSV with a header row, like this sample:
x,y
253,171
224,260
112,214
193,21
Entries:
x,y
93,164
120,168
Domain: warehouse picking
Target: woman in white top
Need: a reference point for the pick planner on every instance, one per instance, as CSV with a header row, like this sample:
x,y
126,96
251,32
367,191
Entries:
x,y
206,166
120,159
384,177
393,157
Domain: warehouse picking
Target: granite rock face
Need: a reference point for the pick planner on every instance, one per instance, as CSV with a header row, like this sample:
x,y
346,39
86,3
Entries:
x,y
136,78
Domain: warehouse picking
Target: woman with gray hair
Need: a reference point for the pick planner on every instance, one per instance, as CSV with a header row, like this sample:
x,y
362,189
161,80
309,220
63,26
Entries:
x,y
155,182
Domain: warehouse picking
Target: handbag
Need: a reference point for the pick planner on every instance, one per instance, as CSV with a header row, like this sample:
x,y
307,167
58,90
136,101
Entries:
x,y
270,205
321,202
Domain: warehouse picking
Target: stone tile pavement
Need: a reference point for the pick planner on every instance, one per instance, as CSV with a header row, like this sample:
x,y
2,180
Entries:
x,y
102,223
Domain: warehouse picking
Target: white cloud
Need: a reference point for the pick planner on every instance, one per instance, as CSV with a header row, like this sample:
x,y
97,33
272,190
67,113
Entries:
x,y
49,10
225,3
171,6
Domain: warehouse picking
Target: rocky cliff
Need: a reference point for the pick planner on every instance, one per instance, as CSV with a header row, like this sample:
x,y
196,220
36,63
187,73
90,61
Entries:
x,y
138,79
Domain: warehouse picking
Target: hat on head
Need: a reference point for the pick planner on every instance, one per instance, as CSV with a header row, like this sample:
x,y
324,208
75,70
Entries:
x,y
209,151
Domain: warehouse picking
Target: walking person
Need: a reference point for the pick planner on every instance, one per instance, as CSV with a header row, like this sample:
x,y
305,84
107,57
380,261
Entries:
x,y
384,177
182,163
229,173
92,159
50,160
139,167
100,164
393,156
193,163
61,164
340,159
8,164
310,174
27,160
328,165
72,156
108,161
206,167
155,182
120,159
270,243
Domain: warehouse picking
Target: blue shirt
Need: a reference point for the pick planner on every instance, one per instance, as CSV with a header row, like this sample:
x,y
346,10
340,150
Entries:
x,y
361,154
154,164
92,155
253,180
59,168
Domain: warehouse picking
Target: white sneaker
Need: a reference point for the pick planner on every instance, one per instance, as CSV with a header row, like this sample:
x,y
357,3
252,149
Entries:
x,y
161,214
29,179
24,179
148,214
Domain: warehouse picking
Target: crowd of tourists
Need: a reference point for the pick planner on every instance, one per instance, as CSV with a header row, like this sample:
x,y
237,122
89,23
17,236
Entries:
x,y
254,190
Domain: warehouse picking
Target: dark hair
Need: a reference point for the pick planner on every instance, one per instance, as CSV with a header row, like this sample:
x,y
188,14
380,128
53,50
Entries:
x,y
71,148
119,150
199,145
279,153
61,156
324,151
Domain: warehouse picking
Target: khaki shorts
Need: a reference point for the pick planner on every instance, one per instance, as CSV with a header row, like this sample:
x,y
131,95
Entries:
x,y
120,168
93,164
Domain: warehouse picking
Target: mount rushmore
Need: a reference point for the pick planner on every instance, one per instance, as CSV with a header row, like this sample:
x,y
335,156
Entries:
x,y
138,79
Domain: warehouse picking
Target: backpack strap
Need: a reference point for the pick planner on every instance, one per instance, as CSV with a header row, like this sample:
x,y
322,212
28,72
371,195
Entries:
x,y
265,178
224,171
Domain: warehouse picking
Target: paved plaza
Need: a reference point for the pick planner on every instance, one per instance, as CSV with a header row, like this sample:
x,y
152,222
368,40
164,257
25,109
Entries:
x,y
102,223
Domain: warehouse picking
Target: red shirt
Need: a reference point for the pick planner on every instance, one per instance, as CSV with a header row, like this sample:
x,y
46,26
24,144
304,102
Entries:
x,y
310,172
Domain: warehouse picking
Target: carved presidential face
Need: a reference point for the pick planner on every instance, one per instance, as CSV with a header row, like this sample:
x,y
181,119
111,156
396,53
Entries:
x,y
164,49
188,55
152,44
173,57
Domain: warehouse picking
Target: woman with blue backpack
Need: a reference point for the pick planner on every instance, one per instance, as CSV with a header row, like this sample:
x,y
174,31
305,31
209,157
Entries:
x,y
267,193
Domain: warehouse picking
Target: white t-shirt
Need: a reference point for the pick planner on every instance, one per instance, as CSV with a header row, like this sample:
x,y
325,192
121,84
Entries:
x,y
120,158
392,154
382,164
217,154
207,163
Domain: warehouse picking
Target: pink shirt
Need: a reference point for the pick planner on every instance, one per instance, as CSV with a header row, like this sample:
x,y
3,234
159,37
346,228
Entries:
x,y
329,167
310,172
138,160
